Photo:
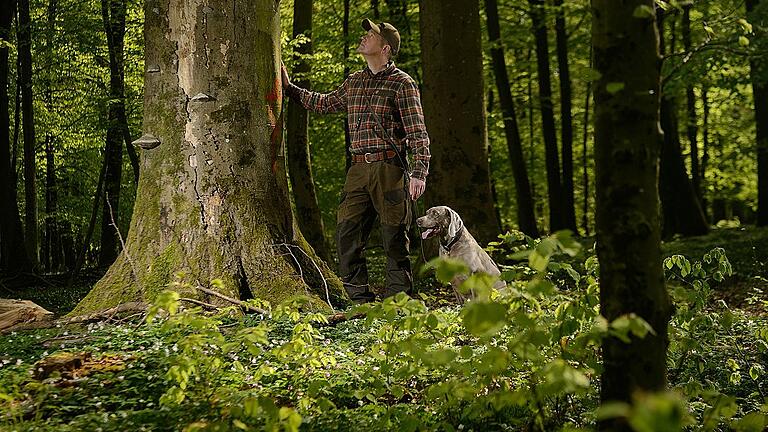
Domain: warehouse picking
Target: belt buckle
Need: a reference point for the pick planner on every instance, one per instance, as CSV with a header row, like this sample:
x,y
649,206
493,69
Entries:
x,y
365,157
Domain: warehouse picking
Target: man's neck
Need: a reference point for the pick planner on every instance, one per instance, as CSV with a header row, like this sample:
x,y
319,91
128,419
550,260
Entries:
x,y
376,63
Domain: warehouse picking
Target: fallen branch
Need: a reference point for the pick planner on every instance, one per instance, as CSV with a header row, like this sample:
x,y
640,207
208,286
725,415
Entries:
x,y
27,315
199,303
242,304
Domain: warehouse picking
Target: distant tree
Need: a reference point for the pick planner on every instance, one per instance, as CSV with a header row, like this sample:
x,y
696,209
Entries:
x,y
682,213
554,186
13,256
628,226
52,255
758,17
27,107
566,121
526,218
212,200
297,141
692,128
113,15
454,111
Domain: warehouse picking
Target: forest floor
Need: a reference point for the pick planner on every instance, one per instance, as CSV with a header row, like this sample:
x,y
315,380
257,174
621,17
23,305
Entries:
x,y
296,372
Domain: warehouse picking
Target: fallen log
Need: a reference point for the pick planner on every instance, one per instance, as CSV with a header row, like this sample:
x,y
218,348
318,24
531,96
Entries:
x,y
16,312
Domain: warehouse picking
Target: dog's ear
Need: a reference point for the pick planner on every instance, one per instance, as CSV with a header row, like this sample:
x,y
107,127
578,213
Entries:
x,y
455,225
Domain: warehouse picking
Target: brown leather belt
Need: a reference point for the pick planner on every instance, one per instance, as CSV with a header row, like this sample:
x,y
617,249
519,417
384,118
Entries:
x,y
374,157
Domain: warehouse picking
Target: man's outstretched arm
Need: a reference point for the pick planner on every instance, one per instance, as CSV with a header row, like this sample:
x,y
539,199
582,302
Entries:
x,y
322,103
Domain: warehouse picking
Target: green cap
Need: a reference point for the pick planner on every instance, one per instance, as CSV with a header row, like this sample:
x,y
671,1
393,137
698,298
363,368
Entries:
x,y
385,30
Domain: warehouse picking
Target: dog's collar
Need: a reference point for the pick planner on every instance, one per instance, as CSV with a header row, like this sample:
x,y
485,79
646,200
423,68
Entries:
x,y
455,239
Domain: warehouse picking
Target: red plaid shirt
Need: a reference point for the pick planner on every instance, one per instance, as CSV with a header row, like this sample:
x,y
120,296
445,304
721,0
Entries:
x,y
395,98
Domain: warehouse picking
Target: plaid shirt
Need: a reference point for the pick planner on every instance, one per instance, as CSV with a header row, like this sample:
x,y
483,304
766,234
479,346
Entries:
x,y
395,98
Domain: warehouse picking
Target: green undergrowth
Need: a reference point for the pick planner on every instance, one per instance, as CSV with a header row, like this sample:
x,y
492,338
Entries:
x,y
526,358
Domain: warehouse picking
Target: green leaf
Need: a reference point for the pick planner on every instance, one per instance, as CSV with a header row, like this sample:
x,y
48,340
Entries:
x,y
752,422
743,41
484,319
614,87
611,410
643,11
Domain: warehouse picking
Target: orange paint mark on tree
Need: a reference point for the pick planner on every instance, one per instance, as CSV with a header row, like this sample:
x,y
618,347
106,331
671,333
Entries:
x,y
274,104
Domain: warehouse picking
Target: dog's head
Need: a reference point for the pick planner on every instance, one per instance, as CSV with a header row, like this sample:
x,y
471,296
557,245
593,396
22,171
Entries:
x,y
440,220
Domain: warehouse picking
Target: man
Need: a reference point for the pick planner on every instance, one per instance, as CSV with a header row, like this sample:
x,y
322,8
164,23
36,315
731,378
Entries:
x,y
385,119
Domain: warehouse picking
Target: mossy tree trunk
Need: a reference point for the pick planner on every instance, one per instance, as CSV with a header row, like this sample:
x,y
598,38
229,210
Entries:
x,y
212,198
628,229
454,111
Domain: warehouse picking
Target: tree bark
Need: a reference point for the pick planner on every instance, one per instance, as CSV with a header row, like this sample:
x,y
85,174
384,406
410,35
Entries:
x,y
758,65
30,164
375,8
212,200
682,212
297,142
704,147
454,112
554,187
566,120
627,158
690,98
13,257
526,218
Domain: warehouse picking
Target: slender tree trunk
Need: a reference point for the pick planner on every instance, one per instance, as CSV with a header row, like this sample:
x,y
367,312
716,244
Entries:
x,y
30,164
525,215
566,121
758,16
13,257
704,146
690,97
584,159
682,212
113,16
554,187
212,200
375,8
299,164
454,111
531,134
52,252
628,237
347,136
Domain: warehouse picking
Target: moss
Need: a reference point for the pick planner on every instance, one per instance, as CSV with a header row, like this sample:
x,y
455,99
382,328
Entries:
x,y
161,271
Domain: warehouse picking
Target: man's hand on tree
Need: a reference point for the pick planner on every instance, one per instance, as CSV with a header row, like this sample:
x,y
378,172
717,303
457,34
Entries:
x,y
416,188
284,73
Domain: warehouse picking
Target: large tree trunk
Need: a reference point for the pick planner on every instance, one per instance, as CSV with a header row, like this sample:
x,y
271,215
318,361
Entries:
x,y
113,17
30,164
454,112
627,157
526,218
690,99
566,121
13,257
299,164
682,212
212,200
554,187
758,16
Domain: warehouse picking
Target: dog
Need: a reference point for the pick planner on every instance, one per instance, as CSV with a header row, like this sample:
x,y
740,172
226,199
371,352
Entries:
x,y
456,242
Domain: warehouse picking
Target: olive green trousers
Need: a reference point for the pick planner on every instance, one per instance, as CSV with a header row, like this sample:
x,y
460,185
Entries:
x,y
371,190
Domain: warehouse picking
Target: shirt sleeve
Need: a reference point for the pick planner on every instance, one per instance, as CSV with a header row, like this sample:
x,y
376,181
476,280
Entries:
x,y
323,103
412,115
